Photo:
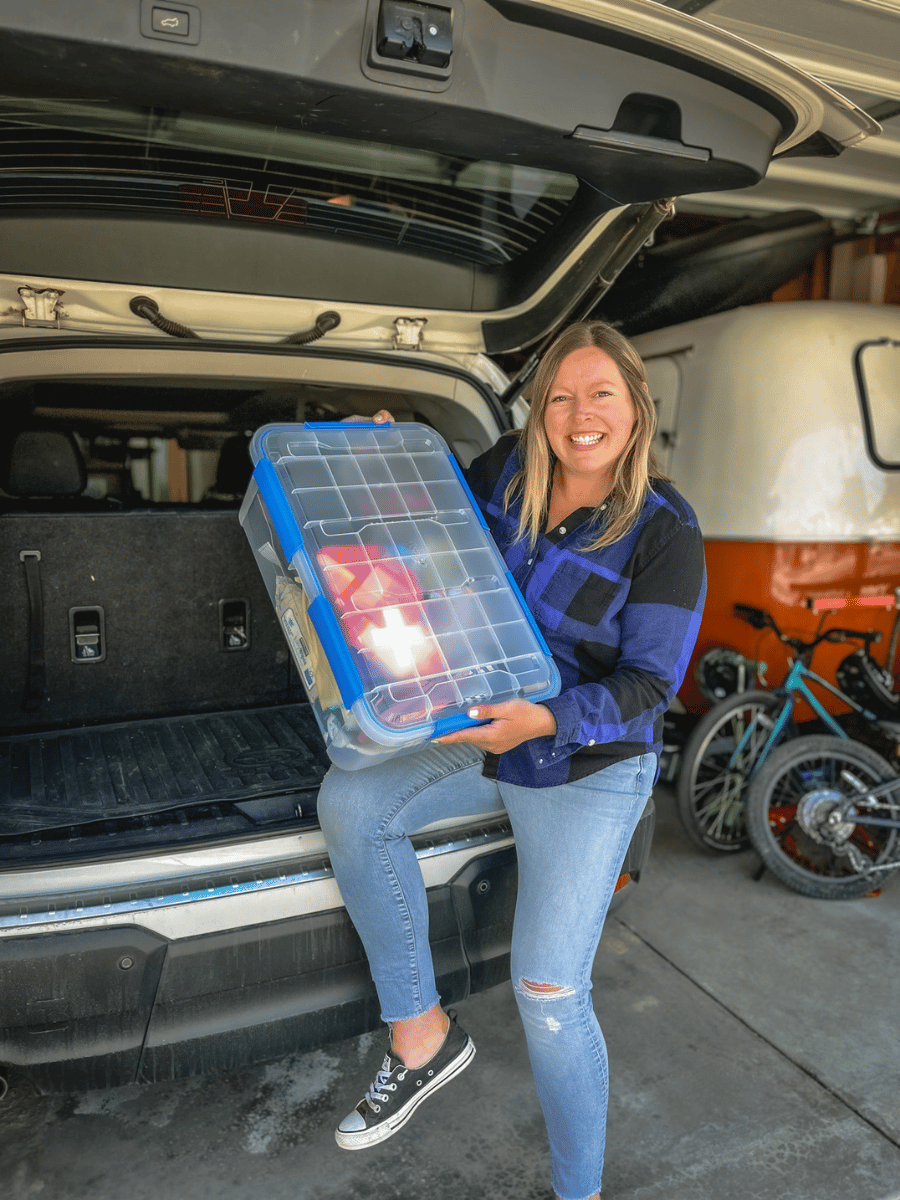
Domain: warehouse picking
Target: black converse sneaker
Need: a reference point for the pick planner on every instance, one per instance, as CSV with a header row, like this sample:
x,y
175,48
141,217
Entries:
x,y
398,1090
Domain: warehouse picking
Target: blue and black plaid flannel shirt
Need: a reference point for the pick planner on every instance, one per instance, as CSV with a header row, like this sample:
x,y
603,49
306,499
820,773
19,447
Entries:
x,y
620,622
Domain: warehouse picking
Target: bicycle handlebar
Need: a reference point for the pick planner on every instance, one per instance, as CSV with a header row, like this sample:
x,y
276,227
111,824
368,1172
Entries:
x,y
757,617
843,635
760,619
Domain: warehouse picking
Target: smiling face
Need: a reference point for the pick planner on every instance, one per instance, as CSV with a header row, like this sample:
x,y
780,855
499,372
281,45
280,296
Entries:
x,y
588,419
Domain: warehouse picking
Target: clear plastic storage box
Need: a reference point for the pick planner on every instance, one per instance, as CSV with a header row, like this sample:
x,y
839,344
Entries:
x,y
397,606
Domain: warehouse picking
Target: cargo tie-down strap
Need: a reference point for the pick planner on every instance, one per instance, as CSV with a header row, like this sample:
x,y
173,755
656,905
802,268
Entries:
x,y
35,680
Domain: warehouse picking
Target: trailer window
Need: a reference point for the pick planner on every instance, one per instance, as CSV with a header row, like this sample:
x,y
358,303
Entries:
x,y
877,366
664,382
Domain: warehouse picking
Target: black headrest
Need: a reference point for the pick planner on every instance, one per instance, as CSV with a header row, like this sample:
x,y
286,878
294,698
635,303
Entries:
x,y
44,462
235,466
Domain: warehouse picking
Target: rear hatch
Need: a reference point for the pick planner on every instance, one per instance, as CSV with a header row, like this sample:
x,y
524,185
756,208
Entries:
x,y
485,167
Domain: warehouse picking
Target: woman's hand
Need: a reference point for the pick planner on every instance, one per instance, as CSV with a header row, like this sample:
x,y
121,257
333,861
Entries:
x,y
382,417
509,724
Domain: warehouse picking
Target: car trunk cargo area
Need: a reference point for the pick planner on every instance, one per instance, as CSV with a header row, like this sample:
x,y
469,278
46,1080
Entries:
x,y
190,700
147,693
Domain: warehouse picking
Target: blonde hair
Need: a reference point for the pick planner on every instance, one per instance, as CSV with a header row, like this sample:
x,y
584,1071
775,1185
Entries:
x,y
634,466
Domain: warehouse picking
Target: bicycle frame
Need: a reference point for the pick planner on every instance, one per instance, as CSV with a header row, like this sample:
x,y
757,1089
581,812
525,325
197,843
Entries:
x,y
796,685
849,812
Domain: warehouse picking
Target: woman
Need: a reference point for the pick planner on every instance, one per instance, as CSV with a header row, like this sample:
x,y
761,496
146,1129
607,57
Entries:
x,y
610,561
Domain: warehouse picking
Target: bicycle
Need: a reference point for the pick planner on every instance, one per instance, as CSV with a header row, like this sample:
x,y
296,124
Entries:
x,y
823,814
730,743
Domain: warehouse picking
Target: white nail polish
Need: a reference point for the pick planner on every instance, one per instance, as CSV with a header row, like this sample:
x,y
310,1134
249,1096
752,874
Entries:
x,y
473,712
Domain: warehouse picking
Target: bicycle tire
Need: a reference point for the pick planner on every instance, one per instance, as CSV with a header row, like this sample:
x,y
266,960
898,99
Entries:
x,y
787,808
710,795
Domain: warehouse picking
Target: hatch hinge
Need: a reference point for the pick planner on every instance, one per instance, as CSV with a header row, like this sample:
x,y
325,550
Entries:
x,y
41,306
408,332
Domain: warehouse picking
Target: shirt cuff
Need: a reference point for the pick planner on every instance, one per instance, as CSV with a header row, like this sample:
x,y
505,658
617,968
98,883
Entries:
x,y
568,726
542,752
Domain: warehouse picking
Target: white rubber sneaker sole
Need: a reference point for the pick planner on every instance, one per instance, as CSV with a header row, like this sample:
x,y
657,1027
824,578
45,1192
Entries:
x,y
387,1128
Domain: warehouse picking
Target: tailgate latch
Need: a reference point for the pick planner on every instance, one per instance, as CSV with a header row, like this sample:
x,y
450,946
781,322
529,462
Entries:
x,y
421,33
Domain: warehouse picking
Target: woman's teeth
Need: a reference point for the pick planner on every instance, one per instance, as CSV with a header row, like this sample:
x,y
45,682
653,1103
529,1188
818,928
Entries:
x,y
586,439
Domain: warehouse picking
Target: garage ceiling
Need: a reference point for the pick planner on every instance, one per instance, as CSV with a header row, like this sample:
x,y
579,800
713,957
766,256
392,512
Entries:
x,y
853,46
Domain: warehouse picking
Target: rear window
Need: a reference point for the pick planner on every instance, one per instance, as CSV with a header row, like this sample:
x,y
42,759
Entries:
x,y
91,155
878,379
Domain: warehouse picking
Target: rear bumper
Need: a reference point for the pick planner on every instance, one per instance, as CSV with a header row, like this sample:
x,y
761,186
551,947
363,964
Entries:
x,y
102,1007
99,1008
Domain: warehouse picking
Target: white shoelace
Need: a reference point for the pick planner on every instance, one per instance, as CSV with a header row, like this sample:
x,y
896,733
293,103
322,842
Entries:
x,y
376,1092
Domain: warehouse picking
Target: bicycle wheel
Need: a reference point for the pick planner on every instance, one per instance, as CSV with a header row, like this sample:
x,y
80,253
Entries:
x,y
789,815
713,779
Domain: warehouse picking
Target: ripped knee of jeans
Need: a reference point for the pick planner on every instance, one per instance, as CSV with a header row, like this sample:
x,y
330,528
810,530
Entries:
x,y
545,992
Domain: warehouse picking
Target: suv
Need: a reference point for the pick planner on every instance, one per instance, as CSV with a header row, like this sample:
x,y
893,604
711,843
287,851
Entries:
x,y
211,220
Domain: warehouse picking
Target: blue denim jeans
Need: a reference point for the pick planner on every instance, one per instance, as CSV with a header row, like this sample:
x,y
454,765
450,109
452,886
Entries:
x,y
570,842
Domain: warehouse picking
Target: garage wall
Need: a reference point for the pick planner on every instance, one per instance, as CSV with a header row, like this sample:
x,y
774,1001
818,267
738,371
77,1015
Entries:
x,y
865,270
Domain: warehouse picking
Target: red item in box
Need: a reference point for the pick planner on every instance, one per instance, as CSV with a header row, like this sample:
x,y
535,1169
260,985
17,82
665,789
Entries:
x,y
378,600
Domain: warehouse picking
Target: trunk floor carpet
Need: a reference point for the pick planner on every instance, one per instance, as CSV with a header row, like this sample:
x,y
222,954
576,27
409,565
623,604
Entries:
x,y
70,776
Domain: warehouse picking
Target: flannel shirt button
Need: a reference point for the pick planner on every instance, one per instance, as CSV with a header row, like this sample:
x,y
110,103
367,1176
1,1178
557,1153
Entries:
x,y
530,561
562,529
540,762
591,742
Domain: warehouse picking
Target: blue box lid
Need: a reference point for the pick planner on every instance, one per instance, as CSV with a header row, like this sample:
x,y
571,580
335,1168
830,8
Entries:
x,y
410,597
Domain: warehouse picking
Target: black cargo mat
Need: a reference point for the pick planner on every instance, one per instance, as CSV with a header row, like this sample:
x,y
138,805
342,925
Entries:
x,y
68,777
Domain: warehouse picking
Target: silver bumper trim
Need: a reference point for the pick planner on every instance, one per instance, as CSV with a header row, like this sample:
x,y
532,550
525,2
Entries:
x,y
47,910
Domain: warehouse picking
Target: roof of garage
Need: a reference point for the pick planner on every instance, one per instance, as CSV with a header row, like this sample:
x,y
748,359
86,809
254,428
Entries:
x,y
851,45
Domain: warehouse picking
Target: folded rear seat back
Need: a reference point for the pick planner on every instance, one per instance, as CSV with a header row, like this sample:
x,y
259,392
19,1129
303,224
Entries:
x,y
144,613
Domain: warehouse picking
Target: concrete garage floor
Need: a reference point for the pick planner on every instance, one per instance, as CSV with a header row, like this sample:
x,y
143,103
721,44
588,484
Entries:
x,y
755,1054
